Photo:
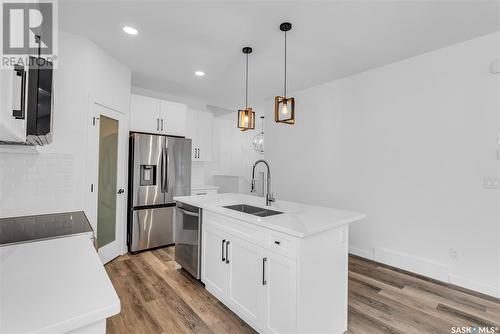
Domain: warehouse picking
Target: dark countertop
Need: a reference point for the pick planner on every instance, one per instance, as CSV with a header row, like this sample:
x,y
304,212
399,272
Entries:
x,y
29,228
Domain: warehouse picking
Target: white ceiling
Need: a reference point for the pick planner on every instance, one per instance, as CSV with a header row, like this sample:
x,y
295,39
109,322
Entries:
x,y
329,39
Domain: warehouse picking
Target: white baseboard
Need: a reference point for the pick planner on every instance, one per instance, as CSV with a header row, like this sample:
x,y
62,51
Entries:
x,y
422,267
464,283
412,263
361,252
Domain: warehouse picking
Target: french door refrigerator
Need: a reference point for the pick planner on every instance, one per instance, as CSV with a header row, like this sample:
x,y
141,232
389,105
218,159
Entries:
x,y
160,168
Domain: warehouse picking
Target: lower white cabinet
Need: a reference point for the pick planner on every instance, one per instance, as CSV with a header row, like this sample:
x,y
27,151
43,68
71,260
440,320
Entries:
x,y
246,278
276,282
215,269
255,283
280,294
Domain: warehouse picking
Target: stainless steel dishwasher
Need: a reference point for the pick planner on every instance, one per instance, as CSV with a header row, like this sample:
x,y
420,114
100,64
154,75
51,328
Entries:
x,y
188,238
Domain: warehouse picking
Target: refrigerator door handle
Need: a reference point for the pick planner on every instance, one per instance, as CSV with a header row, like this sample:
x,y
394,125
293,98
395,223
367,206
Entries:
x,y
163,168
167,170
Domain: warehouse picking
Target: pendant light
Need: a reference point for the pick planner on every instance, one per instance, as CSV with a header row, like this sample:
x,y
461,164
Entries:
x,y
258,140
246,117
284,107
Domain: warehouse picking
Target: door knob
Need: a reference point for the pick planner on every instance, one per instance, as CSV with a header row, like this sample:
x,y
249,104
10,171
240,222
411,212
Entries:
x,y
121,191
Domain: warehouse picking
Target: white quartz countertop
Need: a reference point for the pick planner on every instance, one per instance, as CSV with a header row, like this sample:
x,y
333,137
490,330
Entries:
x,y
53,286
299,220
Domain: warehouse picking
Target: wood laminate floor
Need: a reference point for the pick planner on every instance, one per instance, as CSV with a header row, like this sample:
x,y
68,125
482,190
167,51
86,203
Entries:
x,y
156,298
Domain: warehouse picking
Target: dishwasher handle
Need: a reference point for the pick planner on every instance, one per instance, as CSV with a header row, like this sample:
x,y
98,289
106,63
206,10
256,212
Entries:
x,y
189,213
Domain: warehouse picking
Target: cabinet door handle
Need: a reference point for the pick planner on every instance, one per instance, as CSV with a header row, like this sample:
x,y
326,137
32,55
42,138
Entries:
x,y
157,124
223,242
162,124
264,260
227,252
277,242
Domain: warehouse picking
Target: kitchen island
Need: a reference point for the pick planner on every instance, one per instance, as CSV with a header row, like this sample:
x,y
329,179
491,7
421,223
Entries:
x,y
282,271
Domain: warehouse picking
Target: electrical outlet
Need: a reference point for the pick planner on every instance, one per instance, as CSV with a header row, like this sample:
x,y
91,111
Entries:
x,y
492,182
453,254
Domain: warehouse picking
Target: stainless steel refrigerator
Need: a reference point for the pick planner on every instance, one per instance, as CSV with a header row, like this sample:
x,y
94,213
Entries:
x,y
160,168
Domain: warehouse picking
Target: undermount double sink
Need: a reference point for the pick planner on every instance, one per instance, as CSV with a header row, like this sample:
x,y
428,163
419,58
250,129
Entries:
x,y
253,210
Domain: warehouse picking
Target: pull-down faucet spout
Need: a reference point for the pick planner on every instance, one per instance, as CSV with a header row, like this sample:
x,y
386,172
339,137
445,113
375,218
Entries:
x,y
269,194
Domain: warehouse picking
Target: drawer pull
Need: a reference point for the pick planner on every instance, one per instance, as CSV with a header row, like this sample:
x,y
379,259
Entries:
x,y
201,194
277,242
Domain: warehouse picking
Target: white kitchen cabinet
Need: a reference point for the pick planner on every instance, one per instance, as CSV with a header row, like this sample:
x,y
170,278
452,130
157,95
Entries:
x,y
214,269
204,190
152,115
204,135
277,283
279,294
246,278
256,283
144,114
199,129
172,117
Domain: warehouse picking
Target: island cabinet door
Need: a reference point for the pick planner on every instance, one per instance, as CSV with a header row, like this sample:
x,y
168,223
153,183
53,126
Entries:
x,y
280,294
246,283
215,270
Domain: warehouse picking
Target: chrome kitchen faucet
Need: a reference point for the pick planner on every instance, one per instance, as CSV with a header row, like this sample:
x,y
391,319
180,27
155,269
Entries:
x,y
269,195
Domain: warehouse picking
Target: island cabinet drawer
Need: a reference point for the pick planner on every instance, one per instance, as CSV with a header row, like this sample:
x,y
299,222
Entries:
x,y
282,244
236,227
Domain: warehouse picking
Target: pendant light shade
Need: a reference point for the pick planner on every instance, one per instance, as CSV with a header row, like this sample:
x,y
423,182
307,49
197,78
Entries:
x,y
246,117
258,140
284,107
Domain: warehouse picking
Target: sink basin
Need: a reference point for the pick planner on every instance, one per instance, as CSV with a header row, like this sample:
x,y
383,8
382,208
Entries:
x,y
253,210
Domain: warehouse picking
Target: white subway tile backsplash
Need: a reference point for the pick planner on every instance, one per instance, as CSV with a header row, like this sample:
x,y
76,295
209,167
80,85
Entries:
x,y
36,183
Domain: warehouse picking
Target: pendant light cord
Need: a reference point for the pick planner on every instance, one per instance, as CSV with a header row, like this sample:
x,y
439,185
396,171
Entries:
x,y
246,85
284,88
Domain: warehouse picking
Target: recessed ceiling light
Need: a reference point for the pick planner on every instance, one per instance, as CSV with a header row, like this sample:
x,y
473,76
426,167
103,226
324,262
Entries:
x,y
130,30
199,73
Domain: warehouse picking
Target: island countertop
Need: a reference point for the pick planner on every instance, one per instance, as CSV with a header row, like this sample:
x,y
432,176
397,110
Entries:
x,y
299,220
53,286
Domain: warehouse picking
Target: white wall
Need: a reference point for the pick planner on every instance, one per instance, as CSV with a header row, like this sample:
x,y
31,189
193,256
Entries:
x,y
233,151
52,178
409,145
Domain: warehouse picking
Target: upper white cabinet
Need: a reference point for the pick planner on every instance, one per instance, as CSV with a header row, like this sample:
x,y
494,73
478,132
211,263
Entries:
x,y
144,114
11,129
151,115
172,118
199,129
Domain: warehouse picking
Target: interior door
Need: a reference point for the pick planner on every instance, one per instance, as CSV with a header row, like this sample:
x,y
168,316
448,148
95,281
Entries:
x,y
246,280
107,157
